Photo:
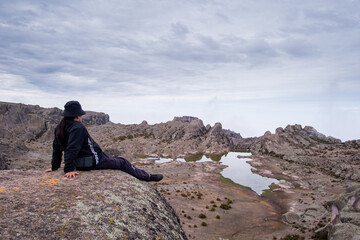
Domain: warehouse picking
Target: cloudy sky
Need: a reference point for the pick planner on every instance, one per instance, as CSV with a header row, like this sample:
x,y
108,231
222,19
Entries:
x,y
253,65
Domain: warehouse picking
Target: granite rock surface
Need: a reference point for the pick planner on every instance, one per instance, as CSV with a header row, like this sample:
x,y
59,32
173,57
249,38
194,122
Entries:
x,y
95,205
307,147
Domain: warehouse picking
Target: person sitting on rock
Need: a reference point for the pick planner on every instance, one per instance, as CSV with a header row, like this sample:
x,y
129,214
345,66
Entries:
x,y
81,152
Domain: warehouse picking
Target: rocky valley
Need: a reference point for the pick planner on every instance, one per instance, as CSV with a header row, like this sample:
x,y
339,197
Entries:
x,y
317,196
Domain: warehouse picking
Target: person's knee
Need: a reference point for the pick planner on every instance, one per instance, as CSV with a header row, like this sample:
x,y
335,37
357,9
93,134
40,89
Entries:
x,y
121,163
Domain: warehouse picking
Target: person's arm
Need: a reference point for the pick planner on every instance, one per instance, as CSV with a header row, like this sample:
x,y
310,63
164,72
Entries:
x,y
73,147
56,156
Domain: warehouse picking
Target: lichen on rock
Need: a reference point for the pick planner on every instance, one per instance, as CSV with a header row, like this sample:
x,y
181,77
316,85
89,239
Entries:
x,y
96,205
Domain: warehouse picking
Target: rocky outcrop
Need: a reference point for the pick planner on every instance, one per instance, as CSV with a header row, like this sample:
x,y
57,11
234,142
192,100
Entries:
x,y
95,118
20,122
305,146
180,137
95,205
313,215
345,215
28,131
243,144
339,218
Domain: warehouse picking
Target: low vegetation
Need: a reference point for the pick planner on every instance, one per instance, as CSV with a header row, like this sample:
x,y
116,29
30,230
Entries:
x,y
201,215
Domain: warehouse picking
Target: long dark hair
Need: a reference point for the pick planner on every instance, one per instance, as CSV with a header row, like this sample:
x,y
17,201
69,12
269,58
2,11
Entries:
x,y
61,137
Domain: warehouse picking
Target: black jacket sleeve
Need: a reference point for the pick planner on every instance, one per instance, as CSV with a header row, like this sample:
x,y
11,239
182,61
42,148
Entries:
x,y
56,155
73,146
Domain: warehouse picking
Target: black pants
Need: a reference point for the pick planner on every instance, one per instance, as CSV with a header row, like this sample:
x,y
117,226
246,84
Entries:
x,y
109,162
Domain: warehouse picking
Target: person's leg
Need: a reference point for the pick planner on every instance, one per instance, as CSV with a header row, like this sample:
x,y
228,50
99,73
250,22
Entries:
x,y
109,162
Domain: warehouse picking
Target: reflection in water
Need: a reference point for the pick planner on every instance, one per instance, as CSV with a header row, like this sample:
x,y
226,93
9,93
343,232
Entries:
x,y
238,170
200,157
165,160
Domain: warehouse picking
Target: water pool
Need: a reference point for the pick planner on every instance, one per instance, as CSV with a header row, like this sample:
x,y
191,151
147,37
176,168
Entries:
x,y
238,170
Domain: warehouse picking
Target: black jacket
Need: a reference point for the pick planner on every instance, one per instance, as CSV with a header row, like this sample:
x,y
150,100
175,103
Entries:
x,y
79,144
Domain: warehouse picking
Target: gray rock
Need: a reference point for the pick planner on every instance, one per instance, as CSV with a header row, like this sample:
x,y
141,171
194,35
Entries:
x,y
350,217
243,144
182,136
195,129
95,205
184,119
20,122
95,118
323,232
316,135
344,231
291,218
232,134
314,212
306,146
348,200
216,130
345,217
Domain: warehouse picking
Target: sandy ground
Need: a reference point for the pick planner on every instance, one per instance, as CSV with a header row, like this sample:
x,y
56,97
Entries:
x,y
196,188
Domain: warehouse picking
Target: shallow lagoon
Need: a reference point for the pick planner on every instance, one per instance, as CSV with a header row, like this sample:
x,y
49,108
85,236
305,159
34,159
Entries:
x,y
238,170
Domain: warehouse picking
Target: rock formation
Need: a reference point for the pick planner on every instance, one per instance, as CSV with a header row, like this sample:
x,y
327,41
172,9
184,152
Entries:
x,y
339,218
305,146
243,144
96,205
345,218
27,132
317,169
180,137
20,122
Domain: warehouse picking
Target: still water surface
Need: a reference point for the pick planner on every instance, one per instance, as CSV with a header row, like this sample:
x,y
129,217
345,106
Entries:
x,y
238,170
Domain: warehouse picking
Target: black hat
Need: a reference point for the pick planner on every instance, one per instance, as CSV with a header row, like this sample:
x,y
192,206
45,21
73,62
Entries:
x,y
73,109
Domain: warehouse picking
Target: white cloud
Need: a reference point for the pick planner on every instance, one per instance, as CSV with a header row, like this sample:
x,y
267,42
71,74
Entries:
x,y
14,82
274,62
69,80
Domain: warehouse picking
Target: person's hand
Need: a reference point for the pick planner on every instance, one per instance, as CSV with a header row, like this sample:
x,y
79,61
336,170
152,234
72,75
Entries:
x,y
48,170
71,174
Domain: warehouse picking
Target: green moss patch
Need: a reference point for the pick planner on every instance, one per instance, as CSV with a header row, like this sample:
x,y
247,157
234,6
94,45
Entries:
x,y
231,182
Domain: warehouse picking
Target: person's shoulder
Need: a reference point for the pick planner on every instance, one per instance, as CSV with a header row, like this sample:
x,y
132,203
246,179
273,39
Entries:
x,y
76,125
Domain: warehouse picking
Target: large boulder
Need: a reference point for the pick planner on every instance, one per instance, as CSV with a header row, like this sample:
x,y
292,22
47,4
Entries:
x,y
344,231
308,218
344,220
291,218
95,205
